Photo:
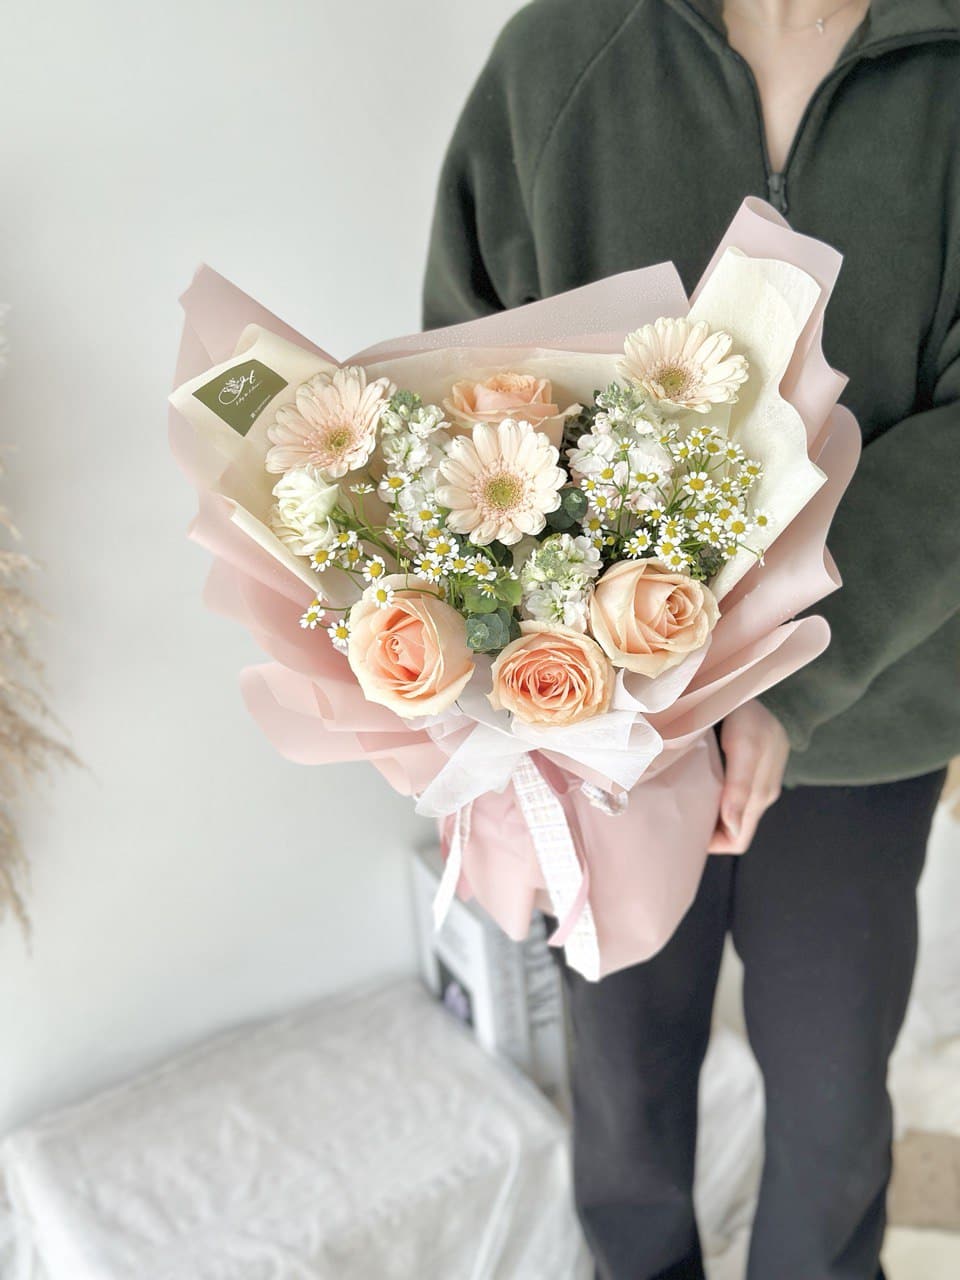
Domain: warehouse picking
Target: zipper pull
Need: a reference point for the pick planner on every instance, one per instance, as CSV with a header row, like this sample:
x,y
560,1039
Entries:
x,y
777,190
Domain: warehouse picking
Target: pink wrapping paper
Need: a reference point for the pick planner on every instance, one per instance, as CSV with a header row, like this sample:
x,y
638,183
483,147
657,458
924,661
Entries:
x,y
643,865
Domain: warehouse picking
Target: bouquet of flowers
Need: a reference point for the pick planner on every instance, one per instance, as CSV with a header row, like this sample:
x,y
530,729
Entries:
x,y
528,616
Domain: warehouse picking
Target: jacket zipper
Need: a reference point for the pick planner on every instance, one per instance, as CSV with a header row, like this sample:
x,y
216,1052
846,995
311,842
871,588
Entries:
x,y
777,179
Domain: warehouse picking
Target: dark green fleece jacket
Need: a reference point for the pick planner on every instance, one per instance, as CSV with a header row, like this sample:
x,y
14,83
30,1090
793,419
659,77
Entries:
x,y
604,135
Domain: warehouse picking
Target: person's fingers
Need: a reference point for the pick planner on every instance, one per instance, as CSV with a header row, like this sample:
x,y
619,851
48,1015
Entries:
x,y
755,755
763,791
743,753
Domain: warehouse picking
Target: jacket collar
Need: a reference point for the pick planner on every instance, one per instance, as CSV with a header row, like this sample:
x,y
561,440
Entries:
x,y
889,24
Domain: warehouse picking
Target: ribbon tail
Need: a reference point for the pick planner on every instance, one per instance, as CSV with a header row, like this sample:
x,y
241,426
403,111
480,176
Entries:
x,y
447,887
566,879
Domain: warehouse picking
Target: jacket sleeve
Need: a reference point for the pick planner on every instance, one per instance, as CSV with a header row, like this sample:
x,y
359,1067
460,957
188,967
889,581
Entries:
x,y
896,541
481,255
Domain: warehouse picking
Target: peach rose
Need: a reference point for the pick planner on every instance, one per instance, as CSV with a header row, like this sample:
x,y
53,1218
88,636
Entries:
x,y
551,675
508,395
412,655
647,618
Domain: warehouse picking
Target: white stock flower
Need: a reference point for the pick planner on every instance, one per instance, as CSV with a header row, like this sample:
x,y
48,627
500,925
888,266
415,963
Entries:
x,y
651,459
552,602
592,453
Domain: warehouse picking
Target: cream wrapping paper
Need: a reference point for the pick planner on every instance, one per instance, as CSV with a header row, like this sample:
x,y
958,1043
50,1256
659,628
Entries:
x,y
605,823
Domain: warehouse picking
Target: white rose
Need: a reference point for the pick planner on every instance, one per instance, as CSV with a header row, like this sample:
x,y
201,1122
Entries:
x,y
301,515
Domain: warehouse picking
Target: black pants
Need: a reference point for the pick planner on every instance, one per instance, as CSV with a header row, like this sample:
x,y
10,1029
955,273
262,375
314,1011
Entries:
x,y
822,911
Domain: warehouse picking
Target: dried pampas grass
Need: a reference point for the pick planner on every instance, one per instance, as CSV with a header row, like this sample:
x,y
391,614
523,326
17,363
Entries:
x,y
26,748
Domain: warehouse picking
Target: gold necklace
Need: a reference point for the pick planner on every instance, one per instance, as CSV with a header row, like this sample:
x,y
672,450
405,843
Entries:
x,y
819,24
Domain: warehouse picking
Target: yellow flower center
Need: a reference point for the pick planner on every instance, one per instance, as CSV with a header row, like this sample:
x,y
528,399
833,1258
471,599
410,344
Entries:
x,y
338,438
674,379
503,491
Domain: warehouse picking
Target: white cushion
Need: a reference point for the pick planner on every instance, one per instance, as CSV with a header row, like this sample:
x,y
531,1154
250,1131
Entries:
x,y
364,1138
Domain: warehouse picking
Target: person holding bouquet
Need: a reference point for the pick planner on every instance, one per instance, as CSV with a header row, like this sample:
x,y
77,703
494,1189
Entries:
x,y
604,135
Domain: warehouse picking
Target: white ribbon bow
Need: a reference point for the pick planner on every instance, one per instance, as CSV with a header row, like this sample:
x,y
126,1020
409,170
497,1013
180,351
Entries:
x,y
619,745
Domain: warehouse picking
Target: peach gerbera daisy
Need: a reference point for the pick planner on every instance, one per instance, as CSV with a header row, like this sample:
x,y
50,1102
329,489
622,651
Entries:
x,y
332,424
501,481
681,366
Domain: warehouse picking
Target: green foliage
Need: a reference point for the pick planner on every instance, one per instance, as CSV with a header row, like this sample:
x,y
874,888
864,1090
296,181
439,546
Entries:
x,y
572,509
477,601
488,632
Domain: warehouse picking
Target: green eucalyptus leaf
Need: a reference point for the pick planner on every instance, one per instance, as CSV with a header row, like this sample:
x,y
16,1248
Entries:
x,y
479,632
509,591
574,503
477,601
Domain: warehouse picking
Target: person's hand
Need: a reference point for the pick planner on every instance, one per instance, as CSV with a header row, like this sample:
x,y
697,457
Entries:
x,y
756,747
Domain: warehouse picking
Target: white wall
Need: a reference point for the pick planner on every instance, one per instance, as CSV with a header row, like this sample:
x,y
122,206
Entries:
x,y
190,879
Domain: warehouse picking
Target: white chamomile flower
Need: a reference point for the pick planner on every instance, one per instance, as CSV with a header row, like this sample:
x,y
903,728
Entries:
x,y
727,487
673,527
732,452
444,546
345,538
350,557
703,522
638,544
695,439
713,535
751,471
313,616
762,519
655,512
482,569
423,516
363,488
430,566
375,568
391,485
459,563
380,595
322,559
738,525
667,547
714,446
726,511
676,560
601,502
698,484
339,633
488,587
593,527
